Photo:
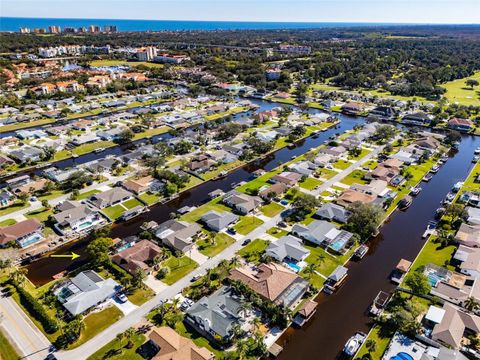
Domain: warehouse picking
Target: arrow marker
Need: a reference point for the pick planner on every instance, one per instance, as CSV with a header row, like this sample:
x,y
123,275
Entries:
x,y
73,256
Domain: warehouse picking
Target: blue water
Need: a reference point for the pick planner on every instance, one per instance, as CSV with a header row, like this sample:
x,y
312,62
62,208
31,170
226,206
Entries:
x,y
338,244
402,356
14,23
294,267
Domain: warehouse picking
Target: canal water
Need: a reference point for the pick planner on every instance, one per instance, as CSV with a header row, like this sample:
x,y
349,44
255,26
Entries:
x,y
42,270
340,315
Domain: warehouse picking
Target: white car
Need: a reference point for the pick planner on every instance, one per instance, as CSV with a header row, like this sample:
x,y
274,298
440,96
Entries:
x,y
122,297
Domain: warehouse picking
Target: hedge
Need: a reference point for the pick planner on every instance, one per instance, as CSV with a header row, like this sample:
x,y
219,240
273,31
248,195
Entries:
x,y
37,311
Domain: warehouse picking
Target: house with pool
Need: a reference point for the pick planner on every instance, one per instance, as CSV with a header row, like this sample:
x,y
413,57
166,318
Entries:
x,y
23,233
289,250
325,234
76,218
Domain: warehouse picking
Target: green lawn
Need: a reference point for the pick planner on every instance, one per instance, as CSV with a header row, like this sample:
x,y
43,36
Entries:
x,y
248,224
130,204
310,183
12,208
222,241
325,263
434,254
277,232
117,350
114,212
7,351
149,198
52,195
41,214
371,164
458,92
97,322
196,214
342,164
141,295
254,250
272,209
8,222
18,126
363,153
356,176
87,194
381,344
179,267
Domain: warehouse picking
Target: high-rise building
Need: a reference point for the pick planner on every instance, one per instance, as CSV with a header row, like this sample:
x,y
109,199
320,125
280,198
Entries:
x,y
54,29
82,29
146,53
24,30
69,29
110,29
39,30
94,29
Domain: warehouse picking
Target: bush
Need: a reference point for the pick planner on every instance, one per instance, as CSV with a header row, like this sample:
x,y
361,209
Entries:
x,y
37,311
162,273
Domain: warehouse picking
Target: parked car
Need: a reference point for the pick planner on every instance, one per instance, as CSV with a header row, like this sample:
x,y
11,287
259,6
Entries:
x,y
246,241
231,231
122,297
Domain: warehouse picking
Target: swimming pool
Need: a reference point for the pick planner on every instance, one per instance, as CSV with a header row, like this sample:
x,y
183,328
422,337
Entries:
x,y
402,356
338,245
85,225
433,279
32,239
294,267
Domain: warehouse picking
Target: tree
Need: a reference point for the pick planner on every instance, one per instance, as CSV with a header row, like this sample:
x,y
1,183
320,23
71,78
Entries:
x,y
19,276
472,83
97,250
371,345
364,220
46,204
452,137
125,136
310,270
384,133
418,283
304,204
129,335
23,197
138,277
155,163
471,304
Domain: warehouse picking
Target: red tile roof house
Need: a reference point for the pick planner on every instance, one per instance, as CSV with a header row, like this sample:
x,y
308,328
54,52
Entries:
x,y
460,124
139,256
287,177
353,108
24,233
273,191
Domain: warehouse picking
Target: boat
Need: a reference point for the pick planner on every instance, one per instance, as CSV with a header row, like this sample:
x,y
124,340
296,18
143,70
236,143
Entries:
x,y
450,196
477,151
99,150
353,344
475,158
456,188
434,169
405,202
444,158
74,156
379,303
360,252
335,280
427,177
414,191
430,229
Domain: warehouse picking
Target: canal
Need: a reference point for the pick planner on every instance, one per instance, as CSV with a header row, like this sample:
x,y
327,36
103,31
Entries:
x,y
42,270
340,315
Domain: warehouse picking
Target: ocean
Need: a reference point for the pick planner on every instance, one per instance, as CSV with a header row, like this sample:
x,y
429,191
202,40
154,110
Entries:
x,y
14,23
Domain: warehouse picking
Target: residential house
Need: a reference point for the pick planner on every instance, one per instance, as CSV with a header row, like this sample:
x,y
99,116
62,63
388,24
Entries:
x,y
172,346
24,233
460,124
324,233
6,198
287,249
143,184
76,218
177,235
242,203
222,156
287,178
218,221
469,260
304,168
201,163
103,165
110,197
323,160
334,151
470,198
349,196
386,170
217,315
468,235
352,108
473,215
26,154
333,212
84,291
59,175
31,187
273,282
382,113
428,143
235,149
417,118
137,257
273,191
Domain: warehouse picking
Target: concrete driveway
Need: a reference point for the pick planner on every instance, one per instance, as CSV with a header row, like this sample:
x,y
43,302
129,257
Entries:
x,y
126,307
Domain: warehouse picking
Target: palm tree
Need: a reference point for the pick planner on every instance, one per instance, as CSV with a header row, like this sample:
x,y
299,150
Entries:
x,y
129,335
242,348
309,270
19,276
120,337
244,307
255,322
371,345
235,261
156,261
471,304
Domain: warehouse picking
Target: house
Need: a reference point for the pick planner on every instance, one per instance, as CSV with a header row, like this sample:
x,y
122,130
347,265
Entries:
x,y
5,161
323,233
31,187
473,215
457,289
334,151
267,136
428,143
377,188
84,139
235,149
304,168
76,218
111,134
287,249
323,160
24,233
178,235
59,175
349,196
143,184
460,124
6,198
26,154
84,291
417,118
470,198
273,191
139,256
273,282
201,163
217,315
352,108
110,197
387,170
468,235
454,325
102,166
222,156
287,178
382,113
469,260
240,202
172,346
333,212
218,221
17,182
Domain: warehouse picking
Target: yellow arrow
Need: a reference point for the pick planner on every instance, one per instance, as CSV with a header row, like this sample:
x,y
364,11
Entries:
x,y
72,255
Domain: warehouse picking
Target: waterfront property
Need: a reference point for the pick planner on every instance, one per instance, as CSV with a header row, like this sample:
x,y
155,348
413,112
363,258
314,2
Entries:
x,y
23,233
177,235
138,257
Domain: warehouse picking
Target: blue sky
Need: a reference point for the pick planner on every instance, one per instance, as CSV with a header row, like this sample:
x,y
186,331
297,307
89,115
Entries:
x,y
400,11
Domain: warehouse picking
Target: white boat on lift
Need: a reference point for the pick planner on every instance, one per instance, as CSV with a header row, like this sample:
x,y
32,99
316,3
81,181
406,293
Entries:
x,y
353,344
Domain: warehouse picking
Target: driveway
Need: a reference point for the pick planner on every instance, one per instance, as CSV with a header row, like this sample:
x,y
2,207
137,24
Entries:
x,y
126,307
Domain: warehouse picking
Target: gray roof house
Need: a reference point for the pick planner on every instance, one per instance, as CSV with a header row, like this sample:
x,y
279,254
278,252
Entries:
x,y
321,232
78,218
218,221
110,197
26,153
306,168
287,248
217,314
331,211
240,202
84,291
177,235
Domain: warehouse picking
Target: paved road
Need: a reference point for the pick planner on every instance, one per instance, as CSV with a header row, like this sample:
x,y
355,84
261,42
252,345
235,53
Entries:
x,y
29,341
90,347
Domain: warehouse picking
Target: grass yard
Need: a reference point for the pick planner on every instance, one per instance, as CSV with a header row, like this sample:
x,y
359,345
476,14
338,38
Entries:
x,y
52,195
433,254
253,251
12,208
41,214
87,194
179,267
140,296
363,152
149,198
196,214
356,176
8,222
325,263
114,212
272,209
130,204
96,323
18,126
222,241
458,92
327,173
381,342
117,350
310,183
371,164
342,164
7,351
277,232
248,224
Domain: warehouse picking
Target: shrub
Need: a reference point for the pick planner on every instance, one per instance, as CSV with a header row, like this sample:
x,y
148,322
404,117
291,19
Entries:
x,y
37,311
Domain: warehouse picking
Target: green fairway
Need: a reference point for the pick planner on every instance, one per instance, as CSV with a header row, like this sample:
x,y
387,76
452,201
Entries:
x,y
459,92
